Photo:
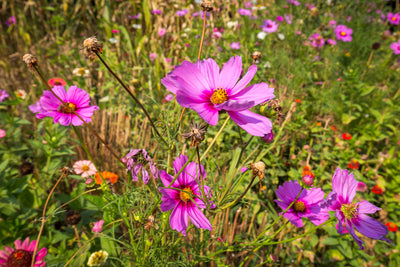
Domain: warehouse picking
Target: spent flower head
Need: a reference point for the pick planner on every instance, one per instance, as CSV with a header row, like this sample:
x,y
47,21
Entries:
x,y
22,254
138,160
197,133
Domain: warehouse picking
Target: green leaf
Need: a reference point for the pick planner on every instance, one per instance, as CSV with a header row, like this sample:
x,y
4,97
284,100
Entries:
x,y
330,241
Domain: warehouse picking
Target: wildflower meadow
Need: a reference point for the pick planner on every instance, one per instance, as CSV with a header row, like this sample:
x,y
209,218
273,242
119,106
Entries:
x,y
199,133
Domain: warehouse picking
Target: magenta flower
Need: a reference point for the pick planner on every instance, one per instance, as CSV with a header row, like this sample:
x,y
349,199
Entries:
x,y
162,32
393,18
270,26
235,45
184,203
136,160
279,18
394,46
37,108
343,33
268,138
22,254
3,95
182,12
156,11
207,90
349,214
244,12
294,2
76,100
307,204
97,226
317,40
362,187
152,56
11,20
331,42
2,133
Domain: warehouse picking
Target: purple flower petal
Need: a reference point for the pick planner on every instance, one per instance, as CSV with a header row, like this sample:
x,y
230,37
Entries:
x,y
258,93
344,185
230,73
170,83
170,199
210,70
366,207
370,227
145,176
234,105
190,79
350,229
293,218
198,218
179,218
245,80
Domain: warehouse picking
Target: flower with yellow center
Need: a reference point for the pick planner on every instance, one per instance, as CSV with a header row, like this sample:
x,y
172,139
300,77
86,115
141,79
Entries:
x,y
342,33
219,96
185,194
299,206
350,211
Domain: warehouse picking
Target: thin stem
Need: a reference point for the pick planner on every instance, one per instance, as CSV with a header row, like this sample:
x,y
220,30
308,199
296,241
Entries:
x,y
133,97
215,138
86,124
201,178
202,34
43,217
241,196
76,253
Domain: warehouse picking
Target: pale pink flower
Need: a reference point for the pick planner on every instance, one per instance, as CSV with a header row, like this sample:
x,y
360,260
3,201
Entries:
x,y
2,133
162,32
97,226
85,168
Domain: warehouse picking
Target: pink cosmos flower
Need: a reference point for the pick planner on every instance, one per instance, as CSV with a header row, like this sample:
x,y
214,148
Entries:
x,y
156,11
136,161
235,45
307,204
279,18
169,97
22,254
395,47
97,226
153,56
294,2
393,18
207,90
2,133
362,187
270,26
268,138
85,168
162,32
349,214
317,40
331,42
243,169
115,31
184,203
10,21
288,18
244,12
343,33
3,95
332,24
76,100
37,108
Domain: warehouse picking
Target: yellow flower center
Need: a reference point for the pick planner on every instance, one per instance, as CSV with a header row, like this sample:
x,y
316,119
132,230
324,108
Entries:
x,y
299,206
219,96
81,71
350,211
185,194
67,108
85,168
342,33
393,18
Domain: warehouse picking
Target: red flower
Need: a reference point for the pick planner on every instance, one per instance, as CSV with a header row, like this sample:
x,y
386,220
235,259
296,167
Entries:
x,y
333,128
346,136
307,173
392,227
376,189
297,100
353,164
306,168
57,81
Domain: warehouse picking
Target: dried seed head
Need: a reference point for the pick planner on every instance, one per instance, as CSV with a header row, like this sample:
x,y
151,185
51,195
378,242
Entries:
x,y
30,60
207,6
258,169
255,56
376,45
91,46
197,132
72,217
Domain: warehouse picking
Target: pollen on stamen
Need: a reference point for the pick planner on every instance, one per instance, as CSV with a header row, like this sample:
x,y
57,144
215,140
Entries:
x,y
219,96
185,194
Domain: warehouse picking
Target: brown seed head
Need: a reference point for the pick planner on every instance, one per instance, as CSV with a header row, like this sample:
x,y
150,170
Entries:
x,y
30,60
255,56
197,133
91,47
207,6
258,169
376,45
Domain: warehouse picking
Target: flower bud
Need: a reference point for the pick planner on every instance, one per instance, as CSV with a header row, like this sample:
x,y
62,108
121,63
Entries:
x,y
307,180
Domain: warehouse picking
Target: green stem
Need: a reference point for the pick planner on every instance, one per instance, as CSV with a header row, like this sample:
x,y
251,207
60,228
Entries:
x,y
215,138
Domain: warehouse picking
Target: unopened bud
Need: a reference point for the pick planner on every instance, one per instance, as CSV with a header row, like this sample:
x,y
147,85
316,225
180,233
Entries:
x,y
29,60
307,180
258,169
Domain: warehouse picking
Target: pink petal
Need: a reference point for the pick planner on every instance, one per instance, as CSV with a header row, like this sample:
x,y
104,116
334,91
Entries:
x,y
25,244
169,83
205,110
179,218
32,245
293,218
64,119
4,254
350,229
230,73
344,185
251,122
259,93
18,244
170,199
245,80
314,196
234,105
190,79
370,227
198,218
210,70
78,97
166,179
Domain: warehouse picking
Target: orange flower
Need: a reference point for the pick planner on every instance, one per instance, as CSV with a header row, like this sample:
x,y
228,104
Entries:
x,y
307,173
392,227
319,124
107,176
333,128
306,168
297,100
353,164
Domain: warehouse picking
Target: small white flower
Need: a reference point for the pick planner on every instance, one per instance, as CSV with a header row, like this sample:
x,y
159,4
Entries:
x,y
21,94
261,35
267,65
231,24
113,40
258,7
81,72
137,26
98,258
281,36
